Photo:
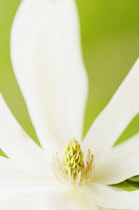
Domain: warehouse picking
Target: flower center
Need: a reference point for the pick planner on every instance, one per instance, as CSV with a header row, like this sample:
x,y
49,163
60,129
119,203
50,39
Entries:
x,y
72,168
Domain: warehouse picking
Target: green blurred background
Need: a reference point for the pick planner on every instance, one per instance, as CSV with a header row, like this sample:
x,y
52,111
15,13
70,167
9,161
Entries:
x,y
110,42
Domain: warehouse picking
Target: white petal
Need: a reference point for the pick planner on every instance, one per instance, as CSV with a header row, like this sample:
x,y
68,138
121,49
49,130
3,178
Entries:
x,y
16,205
28,198
49,198
115,117
15,142
46,57
107,197
16,174
121,164
114,209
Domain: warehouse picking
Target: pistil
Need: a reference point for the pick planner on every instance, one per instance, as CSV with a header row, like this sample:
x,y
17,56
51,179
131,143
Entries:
x,y
72,168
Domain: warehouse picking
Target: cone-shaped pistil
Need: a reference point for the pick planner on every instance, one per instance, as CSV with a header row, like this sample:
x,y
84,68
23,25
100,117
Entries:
x,y
72,168
73,158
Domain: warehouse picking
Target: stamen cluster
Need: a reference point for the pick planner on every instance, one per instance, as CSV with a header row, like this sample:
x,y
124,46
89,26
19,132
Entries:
x,y
72,168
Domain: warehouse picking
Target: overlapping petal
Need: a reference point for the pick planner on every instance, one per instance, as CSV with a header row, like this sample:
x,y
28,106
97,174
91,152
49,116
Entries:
x,y
121,164
30,198
15,174
16,143
115,117
47,62
107,197
15,204
44,198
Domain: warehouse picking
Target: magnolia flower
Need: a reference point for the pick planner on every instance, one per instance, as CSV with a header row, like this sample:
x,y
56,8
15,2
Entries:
x,y
65,172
